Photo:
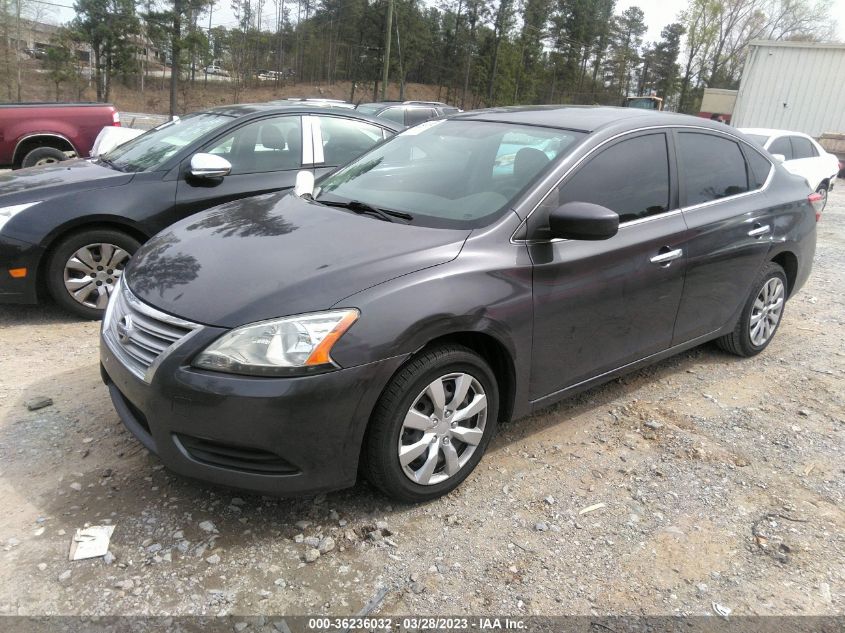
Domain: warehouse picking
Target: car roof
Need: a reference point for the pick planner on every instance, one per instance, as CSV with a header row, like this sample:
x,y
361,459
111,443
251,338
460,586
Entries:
x,y
765,131
297,107
585,118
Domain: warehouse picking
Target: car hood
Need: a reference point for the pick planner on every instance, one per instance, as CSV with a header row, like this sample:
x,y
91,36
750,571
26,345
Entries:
x,y
39,183
277,255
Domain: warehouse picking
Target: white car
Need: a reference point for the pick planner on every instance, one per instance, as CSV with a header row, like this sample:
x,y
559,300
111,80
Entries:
x,y
800,154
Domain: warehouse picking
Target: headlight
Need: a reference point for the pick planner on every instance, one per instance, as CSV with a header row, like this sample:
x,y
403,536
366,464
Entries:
x,y
7,213
297,344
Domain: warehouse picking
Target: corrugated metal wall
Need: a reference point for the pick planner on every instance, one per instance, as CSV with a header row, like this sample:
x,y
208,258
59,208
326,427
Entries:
x,y
793,86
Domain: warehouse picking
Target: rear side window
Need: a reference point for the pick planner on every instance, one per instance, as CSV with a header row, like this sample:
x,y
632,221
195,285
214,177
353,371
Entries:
x,y
418,115
712,167
759,168
802,148
781,146
631,178
397,115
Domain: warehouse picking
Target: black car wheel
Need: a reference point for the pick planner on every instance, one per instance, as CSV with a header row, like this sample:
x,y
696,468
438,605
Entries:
x,y
43,156
761,316
823,191
432,424
84,268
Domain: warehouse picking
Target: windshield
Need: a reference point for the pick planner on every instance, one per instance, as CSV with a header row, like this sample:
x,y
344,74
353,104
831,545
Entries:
x,y
758,138
151,150
450,173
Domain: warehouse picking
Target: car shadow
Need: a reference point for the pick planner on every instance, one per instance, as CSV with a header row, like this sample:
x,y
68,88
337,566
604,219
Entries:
x,y
45,313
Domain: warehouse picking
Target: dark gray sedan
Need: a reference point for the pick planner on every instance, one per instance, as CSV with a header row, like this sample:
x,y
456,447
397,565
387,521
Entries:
x,y
467,272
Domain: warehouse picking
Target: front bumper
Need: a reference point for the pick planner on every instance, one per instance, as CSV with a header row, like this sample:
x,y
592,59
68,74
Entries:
x,y
17,254
279,436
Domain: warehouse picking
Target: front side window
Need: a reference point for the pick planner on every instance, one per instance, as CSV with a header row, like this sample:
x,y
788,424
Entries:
x,y
630,178
151,150
802,148
273,144
712,167
781,146
346,139
451,173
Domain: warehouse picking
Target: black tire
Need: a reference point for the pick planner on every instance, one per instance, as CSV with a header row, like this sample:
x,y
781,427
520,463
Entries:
x,y
823,190
62,253
43,156
740,341
380,458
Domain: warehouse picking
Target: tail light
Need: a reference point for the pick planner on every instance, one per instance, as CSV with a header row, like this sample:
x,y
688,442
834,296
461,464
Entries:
x,y
115,118
816,201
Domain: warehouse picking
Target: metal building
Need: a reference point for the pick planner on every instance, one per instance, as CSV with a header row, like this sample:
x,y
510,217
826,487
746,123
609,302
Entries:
x,y
793,86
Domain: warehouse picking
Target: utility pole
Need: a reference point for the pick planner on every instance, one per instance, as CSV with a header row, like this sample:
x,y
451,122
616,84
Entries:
x,y
210,45
175,53
387,31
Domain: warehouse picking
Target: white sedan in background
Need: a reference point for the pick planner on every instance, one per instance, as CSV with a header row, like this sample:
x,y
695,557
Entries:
x,y
800,154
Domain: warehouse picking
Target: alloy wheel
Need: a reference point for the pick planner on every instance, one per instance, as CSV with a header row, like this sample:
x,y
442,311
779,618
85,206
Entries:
x,y
766,311
92,271
442,429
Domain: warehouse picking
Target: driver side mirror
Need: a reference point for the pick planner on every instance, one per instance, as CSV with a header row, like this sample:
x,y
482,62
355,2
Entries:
x,y
583,221
209,166
779,157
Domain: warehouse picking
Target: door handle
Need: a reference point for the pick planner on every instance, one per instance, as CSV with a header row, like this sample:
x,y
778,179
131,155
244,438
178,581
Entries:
x,y
666,256
759,230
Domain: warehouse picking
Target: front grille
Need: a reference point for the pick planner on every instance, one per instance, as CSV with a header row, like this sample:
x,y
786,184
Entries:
x,y
233,457
138,334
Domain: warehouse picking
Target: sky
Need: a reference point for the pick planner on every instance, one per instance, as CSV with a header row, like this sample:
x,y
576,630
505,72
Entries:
x,y
658,13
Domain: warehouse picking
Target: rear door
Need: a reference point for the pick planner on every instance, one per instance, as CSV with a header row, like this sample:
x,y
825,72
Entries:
x,y
599,305
265,155
731,226
806,162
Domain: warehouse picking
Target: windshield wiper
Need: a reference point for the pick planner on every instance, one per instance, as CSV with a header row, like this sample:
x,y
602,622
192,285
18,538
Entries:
x,y
362,207
108,163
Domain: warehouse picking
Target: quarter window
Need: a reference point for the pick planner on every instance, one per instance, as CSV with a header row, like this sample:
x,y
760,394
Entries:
x,y
631,178
418,115
759,168
802,148
397,115
712,167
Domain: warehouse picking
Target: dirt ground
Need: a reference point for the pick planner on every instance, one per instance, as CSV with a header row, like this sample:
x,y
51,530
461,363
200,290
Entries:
x,y
703,483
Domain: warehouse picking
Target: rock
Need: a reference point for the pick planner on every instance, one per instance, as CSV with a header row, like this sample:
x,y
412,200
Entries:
x,y
343,523
326,545
299,538
109,558
240,626
207,526
311,541
64,576
76,486
124,585
803,412
281,583
541,526
375,536
451,519
42,566
38,403
178,535
654,424
155,547
311,555
302,525
381,525
550,500
237,501
213,559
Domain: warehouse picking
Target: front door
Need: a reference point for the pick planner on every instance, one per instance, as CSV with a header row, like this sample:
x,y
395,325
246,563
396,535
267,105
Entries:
x,y
599,305
265,155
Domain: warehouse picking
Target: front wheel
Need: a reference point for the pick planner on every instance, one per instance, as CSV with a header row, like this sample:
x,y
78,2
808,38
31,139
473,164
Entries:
x,y
84,268
431,425
761,316
43,156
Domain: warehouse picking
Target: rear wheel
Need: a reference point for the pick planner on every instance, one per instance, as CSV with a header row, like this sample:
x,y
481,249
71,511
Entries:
x,y
761,316
432,424
43,156
823,191
84,268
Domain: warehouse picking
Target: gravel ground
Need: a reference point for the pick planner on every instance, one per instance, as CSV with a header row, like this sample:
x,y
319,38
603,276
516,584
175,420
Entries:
x,y
704,482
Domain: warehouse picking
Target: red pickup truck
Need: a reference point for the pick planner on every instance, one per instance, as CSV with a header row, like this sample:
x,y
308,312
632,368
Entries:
x,y
38,133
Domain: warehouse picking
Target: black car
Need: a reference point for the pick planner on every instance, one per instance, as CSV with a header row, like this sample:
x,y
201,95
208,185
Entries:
x,y
467,272
71,227
407,113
